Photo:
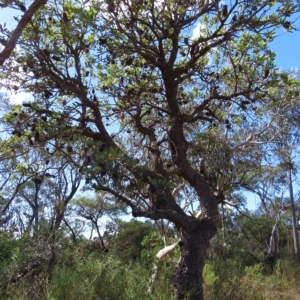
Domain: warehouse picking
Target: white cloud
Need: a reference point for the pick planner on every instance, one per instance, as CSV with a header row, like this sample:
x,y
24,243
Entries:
x,y
19,98
15,97
199,27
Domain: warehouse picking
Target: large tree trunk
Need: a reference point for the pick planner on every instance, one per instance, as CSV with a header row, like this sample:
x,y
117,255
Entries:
x,y
188,280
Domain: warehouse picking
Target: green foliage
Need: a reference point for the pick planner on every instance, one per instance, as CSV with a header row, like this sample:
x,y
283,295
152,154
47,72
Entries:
x,y
79,274
173,100
128,242
7,247
250,282
151,244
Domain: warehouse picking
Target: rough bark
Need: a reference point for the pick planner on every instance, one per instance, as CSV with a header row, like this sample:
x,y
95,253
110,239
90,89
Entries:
x,y
188,279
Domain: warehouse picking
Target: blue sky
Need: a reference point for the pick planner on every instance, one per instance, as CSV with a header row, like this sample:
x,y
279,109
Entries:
x,y
287,48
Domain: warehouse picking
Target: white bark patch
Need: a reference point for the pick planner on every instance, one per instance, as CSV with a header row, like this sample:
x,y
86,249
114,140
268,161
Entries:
x,y
164,252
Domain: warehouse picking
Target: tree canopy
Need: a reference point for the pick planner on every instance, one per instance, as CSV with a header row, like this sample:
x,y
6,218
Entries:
x,y
142,97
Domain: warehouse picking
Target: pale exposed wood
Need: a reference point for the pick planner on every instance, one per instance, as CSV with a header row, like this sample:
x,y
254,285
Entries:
x,y
165,251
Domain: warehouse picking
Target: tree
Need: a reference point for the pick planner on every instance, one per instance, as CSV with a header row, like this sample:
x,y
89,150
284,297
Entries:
x,y
15,35
152,105
94,209
35,185
286,147
279,156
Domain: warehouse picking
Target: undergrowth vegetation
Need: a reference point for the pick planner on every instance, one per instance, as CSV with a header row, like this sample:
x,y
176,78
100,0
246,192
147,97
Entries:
x,y
81,271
